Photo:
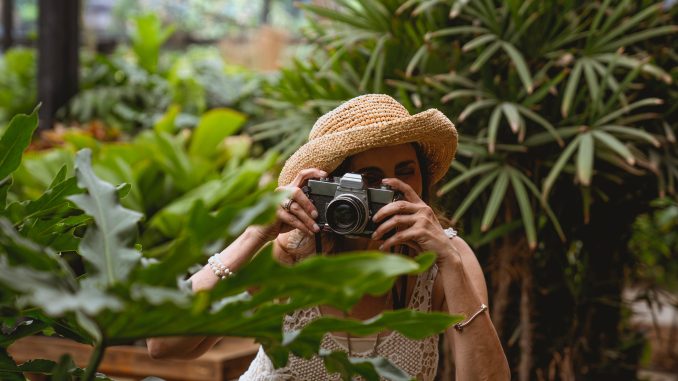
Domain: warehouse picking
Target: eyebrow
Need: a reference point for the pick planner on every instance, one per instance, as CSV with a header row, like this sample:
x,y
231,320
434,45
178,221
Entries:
x,y
377,169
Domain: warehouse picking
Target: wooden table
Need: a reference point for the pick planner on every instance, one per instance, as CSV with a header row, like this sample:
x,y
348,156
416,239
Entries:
x,y
226,361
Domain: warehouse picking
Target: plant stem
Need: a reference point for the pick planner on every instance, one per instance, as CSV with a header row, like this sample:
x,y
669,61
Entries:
x,y
94,361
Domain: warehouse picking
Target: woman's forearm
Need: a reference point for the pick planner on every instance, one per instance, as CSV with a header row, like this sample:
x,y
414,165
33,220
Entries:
x,y
478,354
234,257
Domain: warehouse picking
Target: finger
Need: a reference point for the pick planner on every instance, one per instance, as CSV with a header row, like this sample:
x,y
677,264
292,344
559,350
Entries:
x,y
397,207
303,216
300,198
290,220
306,174
398,238
398,221
406,189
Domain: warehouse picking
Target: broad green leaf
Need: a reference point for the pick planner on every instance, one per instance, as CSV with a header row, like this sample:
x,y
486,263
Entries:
x,y
15,140
585,159
213,127
107,244
370,368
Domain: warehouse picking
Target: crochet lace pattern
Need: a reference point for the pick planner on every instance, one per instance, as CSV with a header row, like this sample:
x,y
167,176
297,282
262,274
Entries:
x,y
419,358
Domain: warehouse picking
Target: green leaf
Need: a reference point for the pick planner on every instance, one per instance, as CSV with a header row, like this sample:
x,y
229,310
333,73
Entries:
x,y
585,159
492,129
637,133
520,64
525,208
370,368
511,112
15,140
475,106
477,170
213,127
5,184
558,166
167,122
624,110
545,123
571,89
454,31
108,244
478,41
496,198
473,194
485,55
615,145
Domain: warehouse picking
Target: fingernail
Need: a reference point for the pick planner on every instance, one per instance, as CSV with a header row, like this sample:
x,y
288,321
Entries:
x,y
316,228
314,214
381,247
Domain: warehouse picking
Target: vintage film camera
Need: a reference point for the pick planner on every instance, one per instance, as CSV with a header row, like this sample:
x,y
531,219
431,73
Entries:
x,y
346,205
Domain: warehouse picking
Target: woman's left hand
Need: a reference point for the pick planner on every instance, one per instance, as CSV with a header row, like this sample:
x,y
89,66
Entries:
x,y
416,224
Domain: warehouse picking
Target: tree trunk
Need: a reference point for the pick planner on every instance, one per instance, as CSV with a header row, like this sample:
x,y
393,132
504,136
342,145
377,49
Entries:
x,y
7,24
58,61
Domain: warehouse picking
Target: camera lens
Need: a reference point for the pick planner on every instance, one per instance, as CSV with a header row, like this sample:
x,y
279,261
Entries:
x,y
346,214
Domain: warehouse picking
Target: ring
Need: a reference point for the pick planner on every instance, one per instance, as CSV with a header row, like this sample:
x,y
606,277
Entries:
x,y
287,204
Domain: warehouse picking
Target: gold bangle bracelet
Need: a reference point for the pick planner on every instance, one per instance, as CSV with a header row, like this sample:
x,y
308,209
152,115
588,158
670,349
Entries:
x,y
460,326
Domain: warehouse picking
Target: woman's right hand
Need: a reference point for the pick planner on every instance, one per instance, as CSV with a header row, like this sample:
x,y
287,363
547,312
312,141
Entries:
x,y
301,214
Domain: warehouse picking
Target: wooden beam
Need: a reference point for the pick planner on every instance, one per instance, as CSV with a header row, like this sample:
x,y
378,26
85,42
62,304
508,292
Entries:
x,y
58,62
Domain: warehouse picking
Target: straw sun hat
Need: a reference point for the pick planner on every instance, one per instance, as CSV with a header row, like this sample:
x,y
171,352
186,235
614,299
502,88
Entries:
x,y
370,121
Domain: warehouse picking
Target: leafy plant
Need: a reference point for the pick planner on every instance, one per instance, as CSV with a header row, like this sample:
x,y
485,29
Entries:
x,y
121,297
18,87
566,113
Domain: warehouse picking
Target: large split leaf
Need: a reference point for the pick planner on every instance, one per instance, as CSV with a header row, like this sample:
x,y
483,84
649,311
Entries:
x,y
108,244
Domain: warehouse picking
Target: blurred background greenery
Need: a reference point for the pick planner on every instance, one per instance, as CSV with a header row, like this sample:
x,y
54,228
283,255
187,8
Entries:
x,y
565,178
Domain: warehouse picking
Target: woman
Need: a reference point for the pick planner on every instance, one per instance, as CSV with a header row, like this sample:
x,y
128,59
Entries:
x,y
375,136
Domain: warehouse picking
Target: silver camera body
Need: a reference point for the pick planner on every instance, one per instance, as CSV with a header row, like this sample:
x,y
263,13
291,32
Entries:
x,y
346,205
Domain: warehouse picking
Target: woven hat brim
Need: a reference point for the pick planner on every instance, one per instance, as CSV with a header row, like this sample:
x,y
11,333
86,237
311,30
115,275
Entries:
x,y
431,129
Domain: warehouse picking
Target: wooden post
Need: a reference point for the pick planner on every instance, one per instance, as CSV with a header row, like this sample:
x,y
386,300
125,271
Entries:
x,y
7,24
58,63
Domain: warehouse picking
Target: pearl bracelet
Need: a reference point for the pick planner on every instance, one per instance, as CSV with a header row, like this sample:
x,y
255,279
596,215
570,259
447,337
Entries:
x,y
220,270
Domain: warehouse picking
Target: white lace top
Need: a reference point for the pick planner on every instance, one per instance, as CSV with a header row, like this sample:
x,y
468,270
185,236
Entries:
x,y
418,358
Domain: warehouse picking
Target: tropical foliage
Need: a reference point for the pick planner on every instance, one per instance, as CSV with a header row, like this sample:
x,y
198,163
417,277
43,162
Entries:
x,y
567,114
71,265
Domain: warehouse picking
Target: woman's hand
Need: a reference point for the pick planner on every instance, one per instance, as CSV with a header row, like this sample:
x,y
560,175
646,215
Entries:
x,y
416,223
301,214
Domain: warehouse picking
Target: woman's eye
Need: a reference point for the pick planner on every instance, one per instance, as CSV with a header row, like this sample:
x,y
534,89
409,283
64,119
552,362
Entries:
x,y
405,173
